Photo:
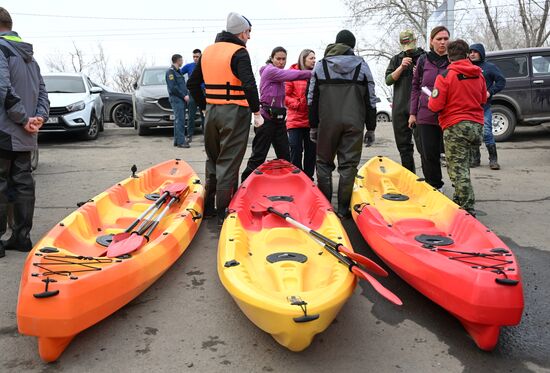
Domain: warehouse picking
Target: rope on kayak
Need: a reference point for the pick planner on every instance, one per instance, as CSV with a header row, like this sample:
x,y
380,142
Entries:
x,y
499,267
82,264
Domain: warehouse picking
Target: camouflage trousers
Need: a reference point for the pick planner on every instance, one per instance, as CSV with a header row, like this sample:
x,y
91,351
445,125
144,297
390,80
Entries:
x,y
459,140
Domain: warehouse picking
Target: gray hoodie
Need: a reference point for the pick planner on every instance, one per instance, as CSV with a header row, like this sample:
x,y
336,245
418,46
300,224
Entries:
x,y
22,93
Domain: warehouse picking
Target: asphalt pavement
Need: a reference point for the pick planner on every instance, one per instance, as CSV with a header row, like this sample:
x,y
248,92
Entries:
x,y
187,321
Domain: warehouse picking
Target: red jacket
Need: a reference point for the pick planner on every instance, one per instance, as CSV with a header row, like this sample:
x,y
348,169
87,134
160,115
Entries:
x,y
296,103
459,94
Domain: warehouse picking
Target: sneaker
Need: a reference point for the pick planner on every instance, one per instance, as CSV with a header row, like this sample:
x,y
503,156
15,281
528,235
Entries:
x,y
186,146
189,139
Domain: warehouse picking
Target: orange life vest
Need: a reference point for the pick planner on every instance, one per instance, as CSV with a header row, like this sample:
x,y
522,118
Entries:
x,y
222,87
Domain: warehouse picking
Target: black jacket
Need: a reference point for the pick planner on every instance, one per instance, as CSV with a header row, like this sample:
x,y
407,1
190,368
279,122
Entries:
x,y
402,86
494,79
241,67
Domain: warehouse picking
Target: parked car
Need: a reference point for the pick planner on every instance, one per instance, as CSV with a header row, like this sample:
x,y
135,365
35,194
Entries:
x,y
151,106
383,110
117,106
526,98
75,105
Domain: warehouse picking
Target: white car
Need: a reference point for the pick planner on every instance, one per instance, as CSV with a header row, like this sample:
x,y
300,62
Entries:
x,y
383,110
75,105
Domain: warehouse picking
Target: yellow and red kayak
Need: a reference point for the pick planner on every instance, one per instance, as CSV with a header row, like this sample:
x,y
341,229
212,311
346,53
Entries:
x,y
438,248
69,283
279,276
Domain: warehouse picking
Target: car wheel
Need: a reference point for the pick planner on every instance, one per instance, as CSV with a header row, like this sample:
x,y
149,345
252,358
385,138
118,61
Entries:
x,y
382,118
504,122
34,159
142,131
93,129
123,115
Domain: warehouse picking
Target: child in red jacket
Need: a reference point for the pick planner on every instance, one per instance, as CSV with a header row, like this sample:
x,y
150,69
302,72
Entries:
x,y
458,96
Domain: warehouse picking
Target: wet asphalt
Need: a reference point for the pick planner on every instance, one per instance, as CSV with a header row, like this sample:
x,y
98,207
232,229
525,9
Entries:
x,y
187,322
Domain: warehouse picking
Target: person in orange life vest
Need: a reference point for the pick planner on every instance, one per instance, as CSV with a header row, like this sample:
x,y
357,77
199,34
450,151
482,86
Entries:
x,y
230,96
297,121
458,96
272,97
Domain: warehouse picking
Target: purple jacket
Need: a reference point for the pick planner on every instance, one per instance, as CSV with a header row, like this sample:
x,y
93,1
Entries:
x,y
272,84
419,100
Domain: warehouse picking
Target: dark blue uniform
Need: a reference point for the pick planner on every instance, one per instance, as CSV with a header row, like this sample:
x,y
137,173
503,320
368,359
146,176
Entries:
x,y
177,90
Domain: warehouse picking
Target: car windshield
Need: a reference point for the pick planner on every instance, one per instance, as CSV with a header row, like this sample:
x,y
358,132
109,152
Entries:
x,y
154,77
64,84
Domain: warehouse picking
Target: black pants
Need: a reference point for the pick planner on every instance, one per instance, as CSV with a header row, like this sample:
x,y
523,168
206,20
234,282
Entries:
x,y
404,140
270,133
226,131
431,138
17,188
299,141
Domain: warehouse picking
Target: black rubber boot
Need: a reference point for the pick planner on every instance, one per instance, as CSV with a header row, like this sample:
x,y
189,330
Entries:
x,y
493,161
20,240
475,157
209,202
223,198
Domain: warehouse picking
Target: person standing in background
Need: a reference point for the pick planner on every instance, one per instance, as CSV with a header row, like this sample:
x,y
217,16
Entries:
x,y
297,122
229,98
178,96
272,97
428,67
192,106
495,83
399,74
24,107
341,102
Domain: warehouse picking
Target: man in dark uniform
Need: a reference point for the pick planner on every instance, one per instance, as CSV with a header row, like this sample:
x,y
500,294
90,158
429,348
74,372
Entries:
x,y
399,74
341,101
231,96
24,107
179,97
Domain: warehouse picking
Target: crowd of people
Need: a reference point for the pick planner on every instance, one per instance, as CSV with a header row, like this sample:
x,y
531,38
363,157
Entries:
x,y
313,113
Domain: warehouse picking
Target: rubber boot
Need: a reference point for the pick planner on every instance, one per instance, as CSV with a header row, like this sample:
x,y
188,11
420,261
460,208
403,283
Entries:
x,y
493,161
209,202
223,198
475,157
20,240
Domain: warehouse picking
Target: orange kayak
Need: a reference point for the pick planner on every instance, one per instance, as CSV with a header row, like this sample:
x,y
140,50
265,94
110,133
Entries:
x,y
69,282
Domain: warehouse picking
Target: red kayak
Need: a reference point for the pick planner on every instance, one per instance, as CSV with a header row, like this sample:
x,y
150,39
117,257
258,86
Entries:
x,y
439,249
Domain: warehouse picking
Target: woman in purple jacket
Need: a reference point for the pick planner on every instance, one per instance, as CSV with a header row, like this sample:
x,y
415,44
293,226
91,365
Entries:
x,y
272,98
428,67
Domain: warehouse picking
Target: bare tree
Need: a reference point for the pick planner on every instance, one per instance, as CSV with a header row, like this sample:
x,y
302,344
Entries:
x,y
126,75
101,66
56,62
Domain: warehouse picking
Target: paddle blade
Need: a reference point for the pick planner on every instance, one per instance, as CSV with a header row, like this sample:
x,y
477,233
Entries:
x,y
174,189
364,261
126,246
119,237
376,285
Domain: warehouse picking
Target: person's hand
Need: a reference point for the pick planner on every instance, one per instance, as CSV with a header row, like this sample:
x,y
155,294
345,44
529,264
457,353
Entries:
x,y
39,121
369,138
313,134
406,62
258,119
31,126
412,121
186,98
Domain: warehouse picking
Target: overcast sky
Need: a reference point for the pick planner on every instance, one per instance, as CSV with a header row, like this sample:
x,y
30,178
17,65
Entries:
x,y
156,29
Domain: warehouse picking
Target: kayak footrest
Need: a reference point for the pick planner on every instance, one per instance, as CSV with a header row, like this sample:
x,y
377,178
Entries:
x,y
297,301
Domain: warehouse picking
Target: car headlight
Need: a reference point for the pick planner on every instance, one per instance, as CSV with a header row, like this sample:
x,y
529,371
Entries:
x,y
77,106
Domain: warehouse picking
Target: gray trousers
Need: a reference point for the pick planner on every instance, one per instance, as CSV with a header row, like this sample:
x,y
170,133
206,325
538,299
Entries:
x,y
226,130
344,141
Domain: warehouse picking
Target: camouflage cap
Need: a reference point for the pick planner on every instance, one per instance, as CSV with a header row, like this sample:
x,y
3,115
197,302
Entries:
x,y
407,40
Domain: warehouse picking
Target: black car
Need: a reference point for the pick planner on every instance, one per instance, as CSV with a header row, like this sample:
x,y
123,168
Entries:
x,y
118,107
526,98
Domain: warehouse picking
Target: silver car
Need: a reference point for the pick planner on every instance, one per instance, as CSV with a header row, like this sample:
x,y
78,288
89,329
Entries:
x,y
150,101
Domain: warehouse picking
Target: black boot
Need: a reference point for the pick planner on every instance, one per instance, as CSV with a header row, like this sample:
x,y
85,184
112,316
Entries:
x,y
20,240
493,161
3,223
475,157
223,198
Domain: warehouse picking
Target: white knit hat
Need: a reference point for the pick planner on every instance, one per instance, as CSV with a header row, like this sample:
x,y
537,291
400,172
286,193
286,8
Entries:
x,y
237,23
